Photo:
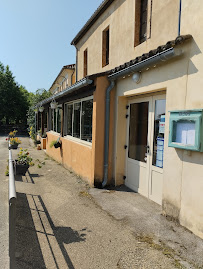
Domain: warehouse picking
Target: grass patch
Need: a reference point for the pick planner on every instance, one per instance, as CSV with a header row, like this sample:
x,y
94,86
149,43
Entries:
x,y
85,194
167,251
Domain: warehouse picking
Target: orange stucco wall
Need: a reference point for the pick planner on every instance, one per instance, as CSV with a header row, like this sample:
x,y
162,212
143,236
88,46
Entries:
x,y
98,122
72,155
88,160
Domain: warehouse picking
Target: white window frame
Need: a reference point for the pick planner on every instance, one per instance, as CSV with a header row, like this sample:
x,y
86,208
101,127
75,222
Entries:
x,y
55,124
71,137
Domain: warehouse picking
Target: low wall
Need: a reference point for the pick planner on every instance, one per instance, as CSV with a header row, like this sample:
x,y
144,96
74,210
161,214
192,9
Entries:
x,y
74,156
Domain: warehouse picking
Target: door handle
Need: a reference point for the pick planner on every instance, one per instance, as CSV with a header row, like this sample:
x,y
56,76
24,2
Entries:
x,y
148,148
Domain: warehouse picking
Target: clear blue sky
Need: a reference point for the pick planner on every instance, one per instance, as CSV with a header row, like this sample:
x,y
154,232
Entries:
x,y
35,37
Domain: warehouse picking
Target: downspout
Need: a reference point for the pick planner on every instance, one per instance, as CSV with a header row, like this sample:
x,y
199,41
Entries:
x,y
76,67
106,133
179,19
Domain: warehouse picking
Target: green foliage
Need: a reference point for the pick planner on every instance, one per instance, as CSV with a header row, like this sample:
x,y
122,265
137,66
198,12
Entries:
x,y
53,142
24,157
7,171
14,101
32,133
35,98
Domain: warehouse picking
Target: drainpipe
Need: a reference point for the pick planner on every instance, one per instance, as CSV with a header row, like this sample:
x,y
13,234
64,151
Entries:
x,y
76,66
179,19
106,134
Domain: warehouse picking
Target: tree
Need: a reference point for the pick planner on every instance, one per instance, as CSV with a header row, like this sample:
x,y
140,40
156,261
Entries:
x,y
39,95
14,99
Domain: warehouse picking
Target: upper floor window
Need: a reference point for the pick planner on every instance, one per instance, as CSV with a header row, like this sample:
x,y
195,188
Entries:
x,y
78,119
105,47
85,63
140,21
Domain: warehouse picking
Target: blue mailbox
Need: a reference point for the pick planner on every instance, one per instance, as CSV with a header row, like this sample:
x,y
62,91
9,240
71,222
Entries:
x,y
186,129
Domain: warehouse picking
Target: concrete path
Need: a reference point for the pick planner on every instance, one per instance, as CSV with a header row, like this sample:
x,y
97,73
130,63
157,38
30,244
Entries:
x,y
4,259
62,223
146,221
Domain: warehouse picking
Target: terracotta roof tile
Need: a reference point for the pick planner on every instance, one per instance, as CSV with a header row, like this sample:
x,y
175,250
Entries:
x,y
144,56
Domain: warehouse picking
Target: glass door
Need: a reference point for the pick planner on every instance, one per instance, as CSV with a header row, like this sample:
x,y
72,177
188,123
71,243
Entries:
x,y
145,146
138,133
157,146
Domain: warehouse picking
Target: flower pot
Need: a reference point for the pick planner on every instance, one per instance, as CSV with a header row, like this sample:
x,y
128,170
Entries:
x,y
41,109
57,145
38,147
15,146
21,169
53,105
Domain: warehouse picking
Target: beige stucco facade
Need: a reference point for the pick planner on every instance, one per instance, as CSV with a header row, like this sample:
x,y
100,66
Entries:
x,y
182,81
65,79
120,17
179,81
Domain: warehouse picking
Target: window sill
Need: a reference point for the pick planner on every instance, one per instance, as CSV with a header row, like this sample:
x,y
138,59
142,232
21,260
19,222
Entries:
x,y
105,65
54,133
78,141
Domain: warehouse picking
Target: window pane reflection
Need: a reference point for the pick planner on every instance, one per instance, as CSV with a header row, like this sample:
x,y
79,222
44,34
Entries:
x,y
138,130
86,120
76,122
159,130
59,116
68,119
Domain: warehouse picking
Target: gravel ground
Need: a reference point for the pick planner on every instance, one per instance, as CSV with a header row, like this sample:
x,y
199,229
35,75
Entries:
x,y
62,224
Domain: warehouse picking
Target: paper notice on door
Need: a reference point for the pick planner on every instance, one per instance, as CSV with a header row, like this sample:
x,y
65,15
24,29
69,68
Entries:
x,y
185,133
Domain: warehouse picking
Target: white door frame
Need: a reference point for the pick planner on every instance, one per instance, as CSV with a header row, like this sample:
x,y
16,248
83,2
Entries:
x,y
148,165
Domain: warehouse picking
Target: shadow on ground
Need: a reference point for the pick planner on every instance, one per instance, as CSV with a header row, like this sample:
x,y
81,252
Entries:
x,y
28,178
39,243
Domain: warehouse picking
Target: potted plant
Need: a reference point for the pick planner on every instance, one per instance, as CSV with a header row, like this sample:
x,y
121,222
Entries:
x,y
41,109
14,142
44,135
23,162
12,133
55,143
53,104
39,132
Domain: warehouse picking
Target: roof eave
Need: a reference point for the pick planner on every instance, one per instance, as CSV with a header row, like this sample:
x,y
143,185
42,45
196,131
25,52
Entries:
x,y
78,85
99,11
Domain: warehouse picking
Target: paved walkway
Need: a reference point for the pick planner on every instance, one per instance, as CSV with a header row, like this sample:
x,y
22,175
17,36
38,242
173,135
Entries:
x,y
62,223
4,261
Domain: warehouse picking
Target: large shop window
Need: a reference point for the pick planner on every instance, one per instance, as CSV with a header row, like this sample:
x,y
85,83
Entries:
x,y
56,116
78,119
